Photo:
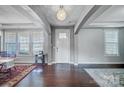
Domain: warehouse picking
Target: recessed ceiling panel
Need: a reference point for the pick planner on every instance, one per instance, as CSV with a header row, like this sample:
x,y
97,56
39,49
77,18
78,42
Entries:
x,y
112,17
73,14
10,15
114,13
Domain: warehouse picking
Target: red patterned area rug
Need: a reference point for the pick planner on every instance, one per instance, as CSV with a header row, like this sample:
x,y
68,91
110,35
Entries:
x,y
16,75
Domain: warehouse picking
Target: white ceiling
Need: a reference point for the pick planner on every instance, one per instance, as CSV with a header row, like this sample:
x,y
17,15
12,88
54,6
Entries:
x,y
113,17
114,13
73,14
20,17
10,15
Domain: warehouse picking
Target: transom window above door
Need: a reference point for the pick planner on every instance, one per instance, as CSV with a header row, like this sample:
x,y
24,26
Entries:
x,y
62,36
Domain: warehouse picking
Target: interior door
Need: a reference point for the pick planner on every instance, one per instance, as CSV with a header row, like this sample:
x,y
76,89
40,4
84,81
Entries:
x,y
62,45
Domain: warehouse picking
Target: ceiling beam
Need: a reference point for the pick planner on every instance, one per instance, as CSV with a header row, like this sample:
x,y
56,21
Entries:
x,y
20,26
92,13
107,24
38,10
82,16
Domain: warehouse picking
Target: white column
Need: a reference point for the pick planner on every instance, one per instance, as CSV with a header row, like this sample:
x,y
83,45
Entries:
x,y
1,35
76,49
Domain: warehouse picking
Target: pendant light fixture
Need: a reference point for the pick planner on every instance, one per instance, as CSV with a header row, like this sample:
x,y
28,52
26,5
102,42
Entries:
x,y
61,13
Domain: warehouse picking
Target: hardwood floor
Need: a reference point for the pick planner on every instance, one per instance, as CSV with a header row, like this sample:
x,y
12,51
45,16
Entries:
x,y
57,75
62,75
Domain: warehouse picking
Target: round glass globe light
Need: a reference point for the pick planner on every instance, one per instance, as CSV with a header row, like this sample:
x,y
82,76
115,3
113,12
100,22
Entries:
x,y
61,14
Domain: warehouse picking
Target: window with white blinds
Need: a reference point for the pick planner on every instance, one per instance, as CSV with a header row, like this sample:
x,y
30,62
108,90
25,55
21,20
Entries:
x,y
23,41
10,42
37,41
111,42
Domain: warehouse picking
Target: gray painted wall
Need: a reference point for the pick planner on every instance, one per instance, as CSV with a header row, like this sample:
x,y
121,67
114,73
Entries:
x,y
87,45
91,47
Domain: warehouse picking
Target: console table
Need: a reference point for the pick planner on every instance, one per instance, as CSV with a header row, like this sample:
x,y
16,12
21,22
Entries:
x,y
7,63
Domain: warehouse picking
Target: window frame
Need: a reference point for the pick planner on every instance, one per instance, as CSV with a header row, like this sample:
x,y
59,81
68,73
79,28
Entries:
x,y
41,42
6,42
110,42
31,52
18,43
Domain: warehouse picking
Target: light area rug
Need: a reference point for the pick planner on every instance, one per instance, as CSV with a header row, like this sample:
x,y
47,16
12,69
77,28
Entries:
x,y
18,78
107,77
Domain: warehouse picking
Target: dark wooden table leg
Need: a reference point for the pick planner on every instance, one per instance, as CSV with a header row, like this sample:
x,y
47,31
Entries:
x,y
1,67
15,68
9,71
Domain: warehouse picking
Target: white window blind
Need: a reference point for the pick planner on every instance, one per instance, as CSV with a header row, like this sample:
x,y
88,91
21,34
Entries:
x,y
37,40
23,40
111,42
10,42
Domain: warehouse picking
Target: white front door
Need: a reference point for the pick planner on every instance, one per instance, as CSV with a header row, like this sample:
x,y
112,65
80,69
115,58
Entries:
x,y
62,45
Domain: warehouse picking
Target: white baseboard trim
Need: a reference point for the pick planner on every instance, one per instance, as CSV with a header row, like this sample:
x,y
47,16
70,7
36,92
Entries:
x,y
76,64
49,63
100,62
86,62
30,62
54,62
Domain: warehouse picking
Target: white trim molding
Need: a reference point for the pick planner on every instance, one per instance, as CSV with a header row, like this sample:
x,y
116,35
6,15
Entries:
x,y
100,62
50,63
